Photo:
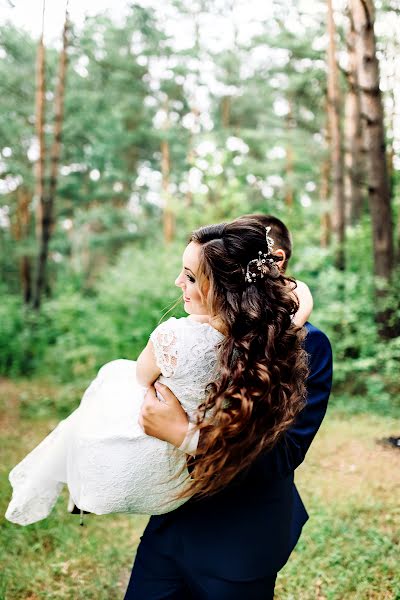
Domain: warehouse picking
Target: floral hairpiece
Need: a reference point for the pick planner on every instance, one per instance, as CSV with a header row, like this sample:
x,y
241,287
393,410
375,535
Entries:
x,y
269,240
259,267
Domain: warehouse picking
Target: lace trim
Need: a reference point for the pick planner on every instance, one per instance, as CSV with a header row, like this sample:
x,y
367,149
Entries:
x,y
165,349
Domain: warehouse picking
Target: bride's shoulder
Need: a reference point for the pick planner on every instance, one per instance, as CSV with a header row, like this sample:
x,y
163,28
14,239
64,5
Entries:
x,y
172,324
193,324
172,332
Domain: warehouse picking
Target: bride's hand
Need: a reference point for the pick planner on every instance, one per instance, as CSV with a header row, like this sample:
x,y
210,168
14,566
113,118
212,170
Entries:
x,y
165,420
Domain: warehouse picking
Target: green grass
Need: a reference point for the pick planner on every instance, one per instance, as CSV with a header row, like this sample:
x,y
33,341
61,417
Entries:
x,y
349,548
56,558
350,484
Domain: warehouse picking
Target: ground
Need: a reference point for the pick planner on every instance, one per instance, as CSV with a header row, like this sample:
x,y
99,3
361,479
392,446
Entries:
x,y
349,548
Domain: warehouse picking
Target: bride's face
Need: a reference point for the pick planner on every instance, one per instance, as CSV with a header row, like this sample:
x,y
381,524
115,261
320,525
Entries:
x,y
187,281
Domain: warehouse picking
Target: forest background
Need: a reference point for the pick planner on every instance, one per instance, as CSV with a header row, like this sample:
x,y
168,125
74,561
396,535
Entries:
x,y
117,141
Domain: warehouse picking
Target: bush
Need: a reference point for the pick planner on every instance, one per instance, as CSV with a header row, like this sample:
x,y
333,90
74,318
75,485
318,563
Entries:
x,y
77,331
75,334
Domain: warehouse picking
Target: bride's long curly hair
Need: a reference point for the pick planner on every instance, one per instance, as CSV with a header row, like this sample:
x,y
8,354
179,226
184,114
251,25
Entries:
x,y
262,367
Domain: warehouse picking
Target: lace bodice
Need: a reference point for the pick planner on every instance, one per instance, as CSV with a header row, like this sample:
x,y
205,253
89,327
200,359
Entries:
x,y
186,353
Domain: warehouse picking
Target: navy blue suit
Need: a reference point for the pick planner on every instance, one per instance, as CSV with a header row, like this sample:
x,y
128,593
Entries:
x,y
232,544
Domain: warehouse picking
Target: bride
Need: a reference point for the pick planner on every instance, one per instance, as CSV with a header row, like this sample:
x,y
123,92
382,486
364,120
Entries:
x,y
100,451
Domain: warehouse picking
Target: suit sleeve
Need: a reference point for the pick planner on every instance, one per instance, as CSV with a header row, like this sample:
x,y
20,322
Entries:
x,y
290,451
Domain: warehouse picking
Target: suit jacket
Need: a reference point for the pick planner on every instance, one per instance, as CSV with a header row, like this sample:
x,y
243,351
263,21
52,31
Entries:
x,y
249,529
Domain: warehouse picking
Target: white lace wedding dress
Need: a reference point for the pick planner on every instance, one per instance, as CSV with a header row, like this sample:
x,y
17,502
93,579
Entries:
x,y
100,451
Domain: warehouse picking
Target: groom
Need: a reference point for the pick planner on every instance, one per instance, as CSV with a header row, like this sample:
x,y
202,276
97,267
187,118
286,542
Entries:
x,y
231,545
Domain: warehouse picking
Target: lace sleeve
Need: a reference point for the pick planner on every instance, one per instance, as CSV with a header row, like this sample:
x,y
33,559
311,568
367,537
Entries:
x,y
165,348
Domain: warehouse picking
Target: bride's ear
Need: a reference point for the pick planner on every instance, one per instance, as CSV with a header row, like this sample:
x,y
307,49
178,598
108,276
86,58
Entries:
x,y
204,286
281,253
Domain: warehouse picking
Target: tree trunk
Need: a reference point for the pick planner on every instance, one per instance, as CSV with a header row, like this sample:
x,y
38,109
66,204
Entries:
x,y
48,197
40,120
336,144
190,162
169,221
20,231
374,139
326,226
393,51
289,158
325,188
190,157
353,156
226,111
24,202
391,115
168,214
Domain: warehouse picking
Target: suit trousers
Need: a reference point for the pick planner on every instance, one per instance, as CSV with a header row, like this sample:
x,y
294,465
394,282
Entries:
x,y
162,571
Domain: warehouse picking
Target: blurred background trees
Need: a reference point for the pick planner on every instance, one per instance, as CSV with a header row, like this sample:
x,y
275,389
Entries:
x,y
139,129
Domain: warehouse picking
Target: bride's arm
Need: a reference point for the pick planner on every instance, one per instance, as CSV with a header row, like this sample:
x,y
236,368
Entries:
x,y
147,370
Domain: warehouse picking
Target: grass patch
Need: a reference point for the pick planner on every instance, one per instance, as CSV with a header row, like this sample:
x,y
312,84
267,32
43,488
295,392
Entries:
x,y
56,558
349,548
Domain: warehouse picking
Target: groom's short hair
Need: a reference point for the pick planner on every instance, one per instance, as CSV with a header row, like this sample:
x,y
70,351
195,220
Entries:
x,y
279,233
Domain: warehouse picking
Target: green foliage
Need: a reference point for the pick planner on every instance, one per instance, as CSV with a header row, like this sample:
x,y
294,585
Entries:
x,y
23,337
76,333
365,367
79,329
244,129
129,300
260,105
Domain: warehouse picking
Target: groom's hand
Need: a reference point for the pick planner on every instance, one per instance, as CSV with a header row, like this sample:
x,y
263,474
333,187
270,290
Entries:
x,y
163,419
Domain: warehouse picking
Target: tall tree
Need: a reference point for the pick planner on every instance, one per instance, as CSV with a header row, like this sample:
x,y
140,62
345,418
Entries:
x,y
325,236
325,190
168,215
289,195
16,134
20,231
47,198
354,152
40,126
336,142
379,196
292,109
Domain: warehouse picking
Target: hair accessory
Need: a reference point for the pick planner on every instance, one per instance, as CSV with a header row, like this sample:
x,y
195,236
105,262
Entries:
x,y
259,267
269,240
